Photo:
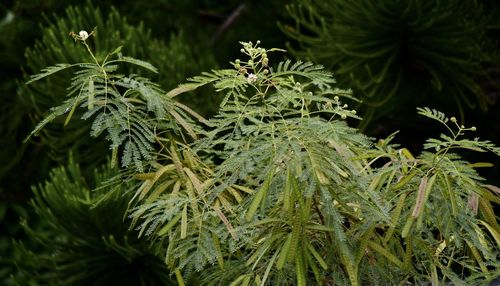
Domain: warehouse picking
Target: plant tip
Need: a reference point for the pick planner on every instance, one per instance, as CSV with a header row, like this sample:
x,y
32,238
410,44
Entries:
x,y
83,35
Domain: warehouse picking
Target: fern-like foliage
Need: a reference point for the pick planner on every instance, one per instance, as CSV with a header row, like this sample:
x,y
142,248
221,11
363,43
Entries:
x,y
393,53
276,188
173,58
130,109
453,140
83,239
286,189
442,210
172,208
296,196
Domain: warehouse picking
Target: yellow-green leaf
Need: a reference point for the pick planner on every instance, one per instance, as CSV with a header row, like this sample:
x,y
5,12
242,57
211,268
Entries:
x,y
70,114
178,275
318,257
407,154
183,88
319,227
477,256
287,192
481,165
259,196
170,224
395,218
405,180
243,189
90,95
158,174
423,194
492,231
235,194
300,270
194,179
451,195
218,251
420,197
284,252
384,252
268,269
407,226
434,276
184,222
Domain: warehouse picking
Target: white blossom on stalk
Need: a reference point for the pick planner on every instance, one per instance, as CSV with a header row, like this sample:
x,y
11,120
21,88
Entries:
x,y
83,35
251,78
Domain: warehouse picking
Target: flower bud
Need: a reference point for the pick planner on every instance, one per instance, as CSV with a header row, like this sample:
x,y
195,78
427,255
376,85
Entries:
x,y
453,119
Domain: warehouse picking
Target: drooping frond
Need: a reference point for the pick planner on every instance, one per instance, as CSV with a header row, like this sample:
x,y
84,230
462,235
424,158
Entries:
x,y
49,71
433,114
173,206
453,141
134,61
130,109
120,44
316,73
439,202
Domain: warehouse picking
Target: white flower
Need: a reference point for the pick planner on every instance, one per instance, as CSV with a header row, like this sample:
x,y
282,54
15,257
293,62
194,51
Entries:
x,y
251,78
83,35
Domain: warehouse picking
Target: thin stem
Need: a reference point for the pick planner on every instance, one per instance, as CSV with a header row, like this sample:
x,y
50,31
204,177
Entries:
x,y
102,70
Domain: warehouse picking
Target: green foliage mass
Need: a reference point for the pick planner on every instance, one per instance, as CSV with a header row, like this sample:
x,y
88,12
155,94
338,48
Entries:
x,y
175,61
83,239
296,197
276,189
400,54
25,164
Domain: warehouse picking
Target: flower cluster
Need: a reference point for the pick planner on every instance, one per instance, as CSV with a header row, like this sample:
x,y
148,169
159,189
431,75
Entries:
x,y
258,65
